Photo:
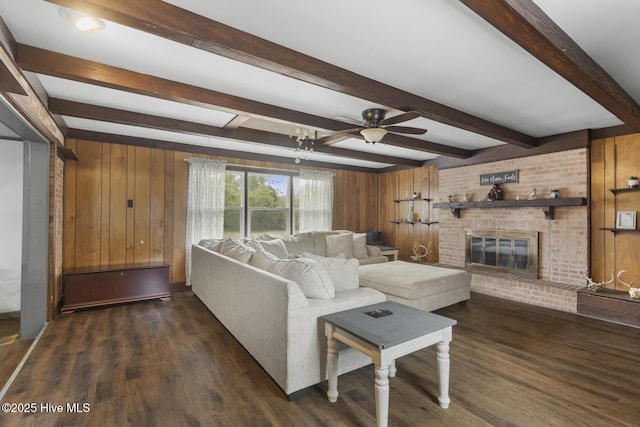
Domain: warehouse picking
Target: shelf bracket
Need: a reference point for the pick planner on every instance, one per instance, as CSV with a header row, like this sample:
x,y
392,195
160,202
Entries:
x,y
455,212
548,212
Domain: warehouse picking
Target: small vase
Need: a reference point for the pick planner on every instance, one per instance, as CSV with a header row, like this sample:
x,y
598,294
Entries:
x,y
634,183
555,194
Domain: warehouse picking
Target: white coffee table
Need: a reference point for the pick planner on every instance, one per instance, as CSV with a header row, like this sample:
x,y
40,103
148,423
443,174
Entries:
x,y
385,339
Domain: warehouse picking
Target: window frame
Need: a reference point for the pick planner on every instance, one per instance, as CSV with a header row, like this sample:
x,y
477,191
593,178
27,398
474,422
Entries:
x,y
245,210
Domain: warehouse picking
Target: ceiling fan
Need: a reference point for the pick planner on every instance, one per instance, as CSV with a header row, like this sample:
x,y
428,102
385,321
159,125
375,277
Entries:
x,y
375,126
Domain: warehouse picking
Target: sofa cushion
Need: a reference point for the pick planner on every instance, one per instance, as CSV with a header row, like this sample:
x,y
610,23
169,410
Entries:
x,y
320,242
234,248
413,281
275,247
212,244
344,272
339,244
295,244
313,279
360,245
262,259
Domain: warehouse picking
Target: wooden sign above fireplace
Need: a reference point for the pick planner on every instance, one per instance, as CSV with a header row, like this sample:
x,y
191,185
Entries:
x,y
507,177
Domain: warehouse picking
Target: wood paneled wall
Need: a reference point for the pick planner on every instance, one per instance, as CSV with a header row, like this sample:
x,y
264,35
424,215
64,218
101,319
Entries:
x,y
613,161
99,228
398,185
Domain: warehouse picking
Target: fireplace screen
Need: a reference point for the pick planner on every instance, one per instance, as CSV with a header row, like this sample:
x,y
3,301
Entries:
x,y
506,251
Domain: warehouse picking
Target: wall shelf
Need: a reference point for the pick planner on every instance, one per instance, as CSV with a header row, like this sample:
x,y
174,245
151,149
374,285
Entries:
x,y
623,190
615,230
414,222
547,205
404,221
620,230
411,200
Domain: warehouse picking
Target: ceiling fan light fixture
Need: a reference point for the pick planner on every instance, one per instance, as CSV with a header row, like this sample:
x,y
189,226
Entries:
x,y
373,135
81,21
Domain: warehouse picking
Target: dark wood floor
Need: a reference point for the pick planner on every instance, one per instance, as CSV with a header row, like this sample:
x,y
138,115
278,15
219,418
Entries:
x,y
172,364
12,350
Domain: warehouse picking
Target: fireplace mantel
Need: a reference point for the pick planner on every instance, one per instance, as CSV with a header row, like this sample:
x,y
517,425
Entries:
x,y
547,205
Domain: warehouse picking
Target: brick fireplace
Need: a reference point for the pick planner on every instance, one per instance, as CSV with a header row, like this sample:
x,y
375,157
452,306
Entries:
x,y
562,241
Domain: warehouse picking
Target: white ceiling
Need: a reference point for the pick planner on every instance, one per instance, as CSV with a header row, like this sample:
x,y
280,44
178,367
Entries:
x,y
437,49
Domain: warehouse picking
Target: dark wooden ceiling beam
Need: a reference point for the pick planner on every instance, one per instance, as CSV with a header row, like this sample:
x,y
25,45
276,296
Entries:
x,y
112,115
68,67
549,144
527,25
177,24
198,149
8,76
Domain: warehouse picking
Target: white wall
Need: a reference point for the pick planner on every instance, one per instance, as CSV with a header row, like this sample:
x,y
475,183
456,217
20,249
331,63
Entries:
x,y
11,210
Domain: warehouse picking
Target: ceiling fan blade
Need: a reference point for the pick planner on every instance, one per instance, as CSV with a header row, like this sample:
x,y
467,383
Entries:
x,y
406,129
334,138
409,115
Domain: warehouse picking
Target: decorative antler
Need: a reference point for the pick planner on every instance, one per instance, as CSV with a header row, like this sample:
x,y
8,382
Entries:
x,y
633,292
596,286
628,285
418,251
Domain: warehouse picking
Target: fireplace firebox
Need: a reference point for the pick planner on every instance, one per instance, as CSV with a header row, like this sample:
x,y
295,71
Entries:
x,y
502,251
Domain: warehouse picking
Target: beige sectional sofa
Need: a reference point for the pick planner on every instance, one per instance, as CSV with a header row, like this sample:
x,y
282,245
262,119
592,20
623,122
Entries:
x,y
271,304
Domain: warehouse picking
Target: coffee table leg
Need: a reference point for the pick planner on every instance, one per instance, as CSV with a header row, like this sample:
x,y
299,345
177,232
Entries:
x,y
443,373
382,395
332,369
392,369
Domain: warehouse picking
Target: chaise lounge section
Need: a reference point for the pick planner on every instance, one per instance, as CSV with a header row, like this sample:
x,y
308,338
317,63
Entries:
x,y
423,286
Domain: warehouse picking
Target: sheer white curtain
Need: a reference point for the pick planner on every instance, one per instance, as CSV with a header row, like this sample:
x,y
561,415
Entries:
x,y
205,203
316,200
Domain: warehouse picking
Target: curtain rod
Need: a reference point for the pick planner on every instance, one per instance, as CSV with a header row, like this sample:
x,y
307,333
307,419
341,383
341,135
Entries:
x,y
263,167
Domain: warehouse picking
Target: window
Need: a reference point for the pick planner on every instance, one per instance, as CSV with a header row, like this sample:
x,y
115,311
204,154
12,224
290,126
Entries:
x,y
269,207
257,203
296,205
234,204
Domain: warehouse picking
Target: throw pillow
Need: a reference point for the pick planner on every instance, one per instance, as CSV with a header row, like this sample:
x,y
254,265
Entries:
x,y
359,245
298,243
344,272
268,236
234,248
313,279
276,247
211,244
263,260
339,244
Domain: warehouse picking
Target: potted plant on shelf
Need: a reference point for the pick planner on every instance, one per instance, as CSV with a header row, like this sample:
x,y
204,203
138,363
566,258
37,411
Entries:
x,y
634,182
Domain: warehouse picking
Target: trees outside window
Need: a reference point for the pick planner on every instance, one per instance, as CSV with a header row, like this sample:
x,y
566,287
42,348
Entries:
x,y
266,204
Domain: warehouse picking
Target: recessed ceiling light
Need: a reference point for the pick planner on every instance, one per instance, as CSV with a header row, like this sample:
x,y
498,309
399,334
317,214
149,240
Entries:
x,y
81,21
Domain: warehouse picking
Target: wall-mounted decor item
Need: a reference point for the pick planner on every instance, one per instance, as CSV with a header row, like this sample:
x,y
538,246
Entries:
x,y
626,220
507,177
